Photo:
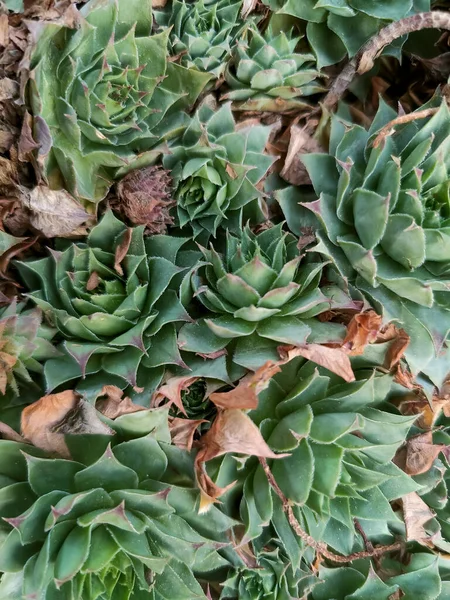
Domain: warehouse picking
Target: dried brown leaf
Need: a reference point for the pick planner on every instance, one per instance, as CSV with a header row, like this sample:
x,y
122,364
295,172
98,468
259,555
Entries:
x,y
9,89
55,213
245,395
159,3
421,453
93,281
362,330
113,405
45,422
335,360
182,431
8,433
294,171
4,30
209,491
234,431
416,514
170,392
122,250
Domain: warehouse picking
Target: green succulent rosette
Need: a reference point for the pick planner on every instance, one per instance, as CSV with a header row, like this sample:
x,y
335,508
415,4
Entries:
x,y
338,28
259,292
384,220
416,576
25,343
340,439
115,316
267,74
103,95
274,578
203,32
120,520
217,172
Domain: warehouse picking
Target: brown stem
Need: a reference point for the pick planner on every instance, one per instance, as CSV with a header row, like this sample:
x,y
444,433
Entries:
x,y
389,128
320,547
364,59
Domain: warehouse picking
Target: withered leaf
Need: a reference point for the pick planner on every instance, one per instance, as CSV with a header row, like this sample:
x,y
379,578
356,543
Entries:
x,y
421,453
245,395
416,514
182,431
93,282
234,431
113,405
53,212
8,433
335,360
122,250
45,422
294,171
171,392
362,330
209,491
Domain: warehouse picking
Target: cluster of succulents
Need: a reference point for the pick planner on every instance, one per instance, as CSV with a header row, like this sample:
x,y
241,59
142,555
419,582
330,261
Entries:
x,y
263,366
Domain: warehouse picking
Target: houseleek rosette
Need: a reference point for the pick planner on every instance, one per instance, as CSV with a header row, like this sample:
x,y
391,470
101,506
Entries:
x,y
217,172
104,94
336,28
267,74
340,439
274,578
25,343
259,289
384,220
202,32
111,300
118,521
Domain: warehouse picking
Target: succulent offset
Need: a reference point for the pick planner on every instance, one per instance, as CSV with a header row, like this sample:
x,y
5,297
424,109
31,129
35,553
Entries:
x,y
203,32
217,172
114,523
104,94
25,343
336,28
267,74
111,300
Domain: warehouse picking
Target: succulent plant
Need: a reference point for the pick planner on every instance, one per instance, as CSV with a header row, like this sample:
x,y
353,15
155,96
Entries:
x,y
118,521
384,220
104,94
337,28
217,172
111,299
202,32
417,574
258,288
340,439
267,74
25,343
274,578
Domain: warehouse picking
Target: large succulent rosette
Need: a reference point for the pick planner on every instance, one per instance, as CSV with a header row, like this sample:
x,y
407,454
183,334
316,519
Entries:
x,y
267,74
112,298
115,522
385,220
217,172
104,94
259,291
340,439
202,32
336,28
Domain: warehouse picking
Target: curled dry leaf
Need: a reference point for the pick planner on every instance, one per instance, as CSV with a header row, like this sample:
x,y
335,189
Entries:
x,y
8,433
335,360
421,453
418,404
182,431
45,422
122,250
55,213
170,393
245,395
111,403
300,142
416,514
209,491
362,330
